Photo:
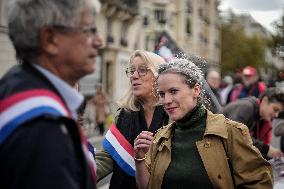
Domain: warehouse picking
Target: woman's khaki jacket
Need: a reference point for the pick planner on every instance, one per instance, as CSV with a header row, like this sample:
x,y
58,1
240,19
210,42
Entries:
x,y
224,141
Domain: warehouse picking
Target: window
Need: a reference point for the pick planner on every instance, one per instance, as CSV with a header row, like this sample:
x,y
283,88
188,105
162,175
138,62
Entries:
x,y
145,21
1,13
109,25
203,39
188,26
160,16
145,14
109,31
124,29
206,20
124,34
189,6
200,12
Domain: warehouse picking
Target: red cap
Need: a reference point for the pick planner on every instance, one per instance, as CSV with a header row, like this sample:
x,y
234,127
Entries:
x,y
249,71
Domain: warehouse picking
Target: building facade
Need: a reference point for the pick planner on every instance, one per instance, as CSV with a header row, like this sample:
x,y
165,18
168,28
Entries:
x,y
126,25
192,24
7,52
118,26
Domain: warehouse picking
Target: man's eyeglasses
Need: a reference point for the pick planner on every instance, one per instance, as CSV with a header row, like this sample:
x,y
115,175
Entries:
x,y
142,71
88,31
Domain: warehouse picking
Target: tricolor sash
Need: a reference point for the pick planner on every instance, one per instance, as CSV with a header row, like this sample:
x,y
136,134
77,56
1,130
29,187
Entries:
x,y
24,106
89,155
120,149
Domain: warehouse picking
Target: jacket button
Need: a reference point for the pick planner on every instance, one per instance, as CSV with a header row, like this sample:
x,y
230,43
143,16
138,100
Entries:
x,y
207,144
161,146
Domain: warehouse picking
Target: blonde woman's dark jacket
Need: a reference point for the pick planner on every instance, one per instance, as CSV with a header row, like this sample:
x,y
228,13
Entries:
x,y
130,124
225,144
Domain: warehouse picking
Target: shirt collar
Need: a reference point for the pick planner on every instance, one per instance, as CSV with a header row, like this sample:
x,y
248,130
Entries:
x,y
72,98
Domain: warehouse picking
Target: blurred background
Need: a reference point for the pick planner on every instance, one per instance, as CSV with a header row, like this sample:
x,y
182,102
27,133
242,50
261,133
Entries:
x,y
227,34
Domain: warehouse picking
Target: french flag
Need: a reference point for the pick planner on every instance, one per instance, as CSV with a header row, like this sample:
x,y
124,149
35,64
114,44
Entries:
x,y
120,149
24,106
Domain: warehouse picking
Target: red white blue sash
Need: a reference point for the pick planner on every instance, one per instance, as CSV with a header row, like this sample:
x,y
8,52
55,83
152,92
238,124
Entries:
x,y
25,106
90,156
120,150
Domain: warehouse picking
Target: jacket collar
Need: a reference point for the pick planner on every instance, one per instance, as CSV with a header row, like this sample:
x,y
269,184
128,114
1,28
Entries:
x,y
214,125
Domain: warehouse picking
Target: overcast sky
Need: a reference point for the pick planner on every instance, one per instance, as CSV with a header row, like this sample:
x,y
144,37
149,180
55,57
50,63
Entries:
x,y
263,11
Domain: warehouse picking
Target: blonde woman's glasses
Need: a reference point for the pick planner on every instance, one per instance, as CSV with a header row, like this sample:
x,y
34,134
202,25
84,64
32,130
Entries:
x,y
142,71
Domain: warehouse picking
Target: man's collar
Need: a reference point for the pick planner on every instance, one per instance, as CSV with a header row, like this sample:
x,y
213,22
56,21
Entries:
x,y
72,98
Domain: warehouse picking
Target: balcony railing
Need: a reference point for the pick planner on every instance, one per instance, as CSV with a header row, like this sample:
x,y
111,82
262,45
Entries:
x,y
161,2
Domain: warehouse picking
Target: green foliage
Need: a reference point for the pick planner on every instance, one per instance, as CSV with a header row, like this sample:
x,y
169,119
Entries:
x,y
239,50
278,37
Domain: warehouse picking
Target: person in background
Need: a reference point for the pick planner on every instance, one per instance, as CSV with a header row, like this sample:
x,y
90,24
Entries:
x,y
81,122
257,115
213,79
101,104
278,123
162,50
251,86
41,146
139,111
237,86
199,149
81,110
226,89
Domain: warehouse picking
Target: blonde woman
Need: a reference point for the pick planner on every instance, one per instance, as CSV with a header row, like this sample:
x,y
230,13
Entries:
x,y
138,112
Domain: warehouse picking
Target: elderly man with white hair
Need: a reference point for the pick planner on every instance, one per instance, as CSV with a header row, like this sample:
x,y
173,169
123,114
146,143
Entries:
x,y
41,146
213,79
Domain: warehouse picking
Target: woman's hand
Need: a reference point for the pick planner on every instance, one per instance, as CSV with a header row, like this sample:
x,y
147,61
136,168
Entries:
x,y
141,147
142,144
274,153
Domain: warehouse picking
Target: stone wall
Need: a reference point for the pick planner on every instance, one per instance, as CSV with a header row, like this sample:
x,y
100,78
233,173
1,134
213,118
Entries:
x,y
7,53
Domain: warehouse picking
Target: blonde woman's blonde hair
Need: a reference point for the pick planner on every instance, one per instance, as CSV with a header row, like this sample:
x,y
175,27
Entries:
x,y
153,61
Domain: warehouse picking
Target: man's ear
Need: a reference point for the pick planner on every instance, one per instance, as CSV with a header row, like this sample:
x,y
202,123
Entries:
x,y
49,41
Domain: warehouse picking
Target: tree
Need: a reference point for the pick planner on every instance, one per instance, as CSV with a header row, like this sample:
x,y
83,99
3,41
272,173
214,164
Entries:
x,y
278,38
239,50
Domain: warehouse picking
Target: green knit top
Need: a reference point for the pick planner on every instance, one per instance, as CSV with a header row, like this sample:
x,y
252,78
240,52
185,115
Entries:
x,y
186,169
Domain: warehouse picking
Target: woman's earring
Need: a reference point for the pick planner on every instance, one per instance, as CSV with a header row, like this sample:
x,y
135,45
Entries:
x,y
154,89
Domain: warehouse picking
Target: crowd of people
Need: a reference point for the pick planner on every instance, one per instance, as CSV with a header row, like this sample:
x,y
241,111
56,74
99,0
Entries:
x,y
164,134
